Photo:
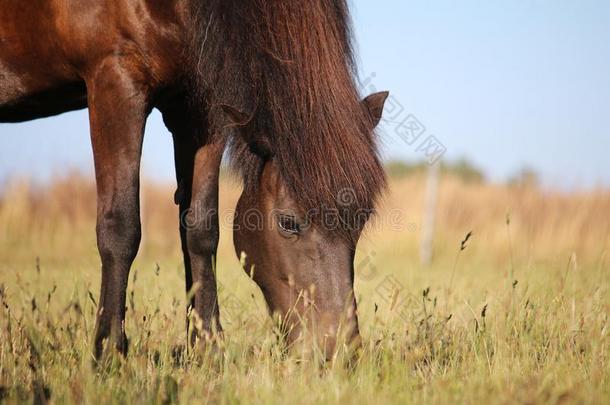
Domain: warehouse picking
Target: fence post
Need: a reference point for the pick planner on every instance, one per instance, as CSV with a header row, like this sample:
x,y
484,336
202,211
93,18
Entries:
x,y
431,201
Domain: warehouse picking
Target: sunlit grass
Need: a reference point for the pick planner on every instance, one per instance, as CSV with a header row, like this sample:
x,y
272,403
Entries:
x,y
520,315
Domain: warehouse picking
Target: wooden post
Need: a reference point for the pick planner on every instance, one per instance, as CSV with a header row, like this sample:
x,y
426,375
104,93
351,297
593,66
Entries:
x,y
143,218
427,235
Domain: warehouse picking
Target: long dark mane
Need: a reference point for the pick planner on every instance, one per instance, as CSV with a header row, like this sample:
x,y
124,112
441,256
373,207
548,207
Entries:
x,y
289,65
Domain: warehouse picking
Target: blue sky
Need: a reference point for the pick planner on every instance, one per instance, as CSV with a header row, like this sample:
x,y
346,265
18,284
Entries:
x,y
506,84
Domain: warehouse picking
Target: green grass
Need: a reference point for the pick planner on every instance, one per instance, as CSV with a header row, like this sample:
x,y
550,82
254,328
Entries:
x,y
544,340
520,330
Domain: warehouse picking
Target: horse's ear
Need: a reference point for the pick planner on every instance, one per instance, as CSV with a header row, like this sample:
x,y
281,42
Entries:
x,y
257,144
374,105
236,116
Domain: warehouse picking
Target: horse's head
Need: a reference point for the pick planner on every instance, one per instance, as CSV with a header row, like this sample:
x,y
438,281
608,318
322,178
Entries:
x,y
301,258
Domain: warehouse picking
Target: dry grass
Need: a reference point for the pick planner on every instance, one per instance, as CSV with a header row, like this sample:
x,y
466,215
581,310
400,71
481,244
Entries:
x,y
525,318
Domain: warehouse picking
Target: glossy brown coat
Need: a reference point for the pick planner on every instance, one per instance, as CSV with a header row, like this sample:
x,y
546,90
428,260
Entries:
x,y
277,72
120,58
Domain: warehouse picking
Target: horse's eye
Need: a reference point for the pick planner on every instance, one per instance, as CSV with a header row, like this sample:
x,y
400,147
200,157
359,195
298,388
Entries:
x,y
289,224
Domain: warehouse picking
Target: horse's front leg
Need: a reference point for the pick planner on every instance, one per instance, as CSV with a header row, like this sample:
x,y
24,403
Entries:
x,y
197,161
118,107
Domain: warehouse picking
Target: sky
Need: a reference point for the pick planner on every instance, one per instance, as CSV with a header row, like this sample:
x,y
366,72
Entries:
x,y
505,84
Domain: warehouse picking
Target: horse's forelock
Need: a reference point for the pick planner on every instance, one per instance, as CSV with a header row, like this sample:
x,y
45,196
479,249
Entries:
x,y
290,64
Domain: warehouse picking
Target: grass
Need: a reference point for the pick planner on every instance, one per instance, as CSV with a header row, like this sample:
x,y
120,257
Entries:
x,y
519,315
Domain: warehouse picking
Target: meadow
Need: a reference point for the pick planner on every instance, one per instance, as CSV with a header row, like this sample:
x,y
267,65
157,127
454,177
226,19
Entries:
x,y
518,313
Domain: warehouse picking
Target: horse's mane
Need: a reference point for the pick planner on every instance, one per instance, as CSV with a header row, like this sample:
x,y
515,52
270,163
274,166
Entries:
x,y
289,65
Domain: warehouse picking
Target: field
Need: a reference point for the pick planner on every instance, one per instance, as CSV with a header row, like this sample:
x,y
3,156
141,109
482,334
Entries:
x,y
520,314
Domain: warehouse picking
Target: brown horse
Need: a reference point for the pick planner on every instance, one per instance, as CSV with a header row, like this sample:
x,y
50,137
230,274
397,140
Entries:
x,y
273,78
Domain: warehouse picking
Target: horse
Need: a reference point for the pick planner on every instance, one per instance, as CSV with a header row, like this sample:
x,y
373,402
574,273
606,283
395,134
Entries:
x,y
270,81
